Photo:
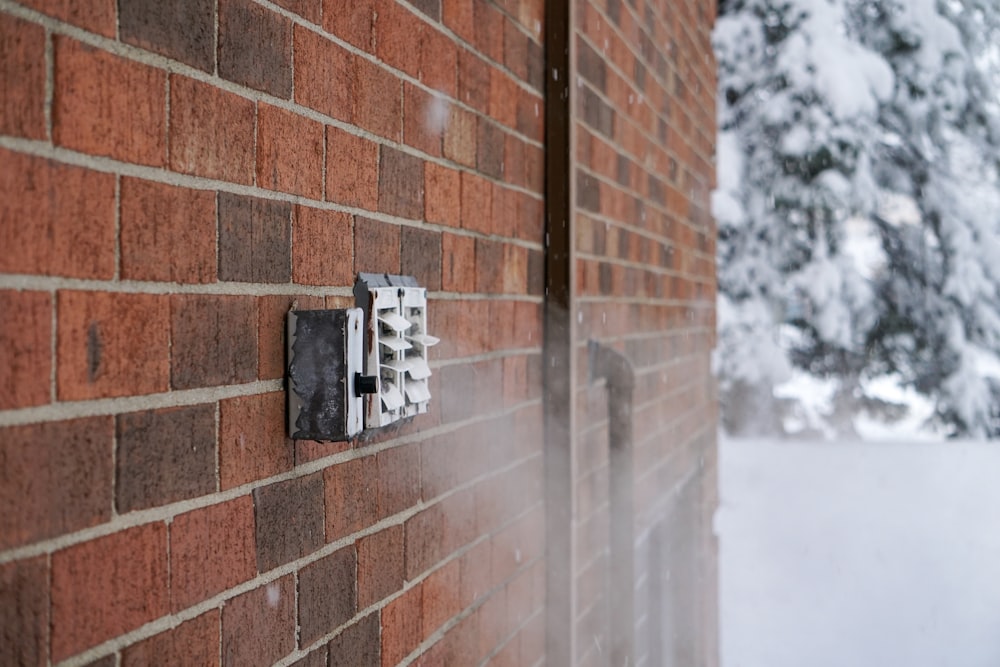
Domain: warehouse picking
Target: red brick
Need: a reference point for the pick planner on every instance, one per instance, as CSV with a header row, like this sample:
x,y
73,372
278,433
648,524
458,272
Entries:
x,y
489,266
352,22
322,248
378,101
255,237
289,152
258,627
112,344
255,47
457,647
327,596
184,30
474,80
438,530
22,78
420,256
195,642
442,597
93,15
424,117
211,550
56,219
399,34
213,340
515,269
351,497
167,233
56,478
489,148
253,444
477,203
106,587
401,631
358,645
488,22
458,15
290,520
24,612
272,312
380,566
211,131
26,338
398,479
351,169
458,268
325,74
438,63
503,98
491,618
476,576
442,195
460,137
515,49
310,10
106,105
376,246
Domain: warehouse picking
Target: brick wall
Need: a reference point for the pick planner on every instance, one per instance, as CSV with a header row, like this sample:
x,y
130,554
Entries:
x,y
174,176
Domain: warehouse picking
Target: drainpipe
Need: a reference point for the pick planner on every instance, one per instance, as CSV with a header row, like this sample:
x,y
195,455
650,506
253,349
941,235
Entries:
x,y
613,367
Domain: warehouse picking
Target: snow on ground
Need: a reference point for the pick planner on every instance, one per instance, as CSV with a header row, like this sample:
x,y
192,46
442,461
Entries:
x,y
859,555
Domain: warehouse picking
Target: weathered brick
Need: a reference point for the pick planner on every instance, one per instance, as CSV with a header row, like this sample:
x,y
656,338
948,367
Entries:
x,y
380,566
322,247
213,340
460,137
183,30
289,152
211,131
376,246
167,233
55,219
351,169
211,550
272,311
398,479
377,100
255,47
26,338
258,627
442,195
325,74
195,642
24,612
351,496
477,203
109,106
22,78
253,444
290,520
327,594
489,148
254,239
112,344
420,256
401,630
423,119
164,456
93,15
358,645
106,587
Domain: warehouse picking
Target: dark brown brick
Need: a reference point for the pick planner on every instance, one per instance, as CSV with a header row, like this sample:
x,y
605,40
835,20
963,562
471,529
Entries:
x,y
253,443
430,7
290,520
26,338
322,247
358,645
258,627
254,239
24,612
489,266
310,10
183,30
22,78
318,658
213,340
289,152
327,594
211,550
112,344
107,661
376,246
211,131
56,219
420,256
164,456
195,642
351,169
167,233
255,47
107,587
515,49
380,565
489,148
109,106
398,479
351,496
400,184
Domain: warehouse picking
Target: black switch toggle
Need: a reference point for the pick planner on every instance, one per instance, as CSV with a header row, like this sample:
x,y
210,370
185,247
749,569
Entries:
x,y
365,384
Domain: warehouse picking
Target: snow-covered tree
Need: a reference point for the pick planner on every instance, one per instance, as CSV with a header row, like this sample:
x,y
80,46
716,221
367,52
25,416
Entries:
x,y
841,118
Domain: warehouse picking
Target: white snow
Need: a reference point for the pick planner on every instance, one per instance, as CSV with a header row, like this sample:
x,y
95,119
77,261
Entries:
x,y
859,555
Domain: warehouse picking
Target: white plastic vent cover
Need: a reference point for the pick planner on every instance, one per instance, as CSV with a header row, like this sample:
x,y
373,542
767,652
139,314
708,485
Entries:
x,y
396,345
